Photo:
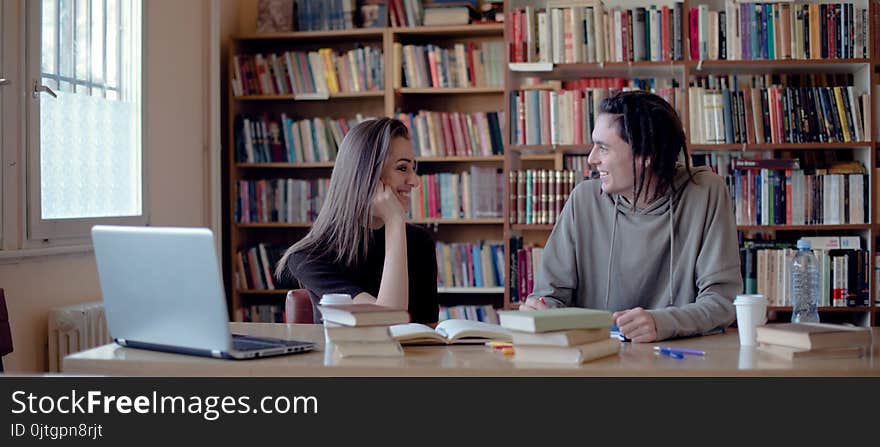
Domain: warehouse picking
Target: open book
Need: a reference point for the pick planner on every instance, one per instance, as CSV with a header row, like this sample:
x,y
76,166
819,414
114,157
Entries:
x,y
449,332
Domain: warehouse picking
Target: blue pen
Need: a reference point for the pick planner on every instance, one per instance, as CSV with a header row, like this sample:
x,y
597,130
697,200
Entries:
x,y
672,354
679,350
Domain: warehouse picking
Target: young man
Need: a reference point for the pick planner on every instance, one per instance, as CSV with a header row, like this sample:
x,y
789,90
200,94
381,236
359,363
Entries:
x,y
651,239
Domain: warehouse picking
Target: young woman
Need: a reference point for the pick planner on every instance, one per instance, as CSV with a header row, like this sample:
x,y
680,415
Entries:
x,y
650,239
360,244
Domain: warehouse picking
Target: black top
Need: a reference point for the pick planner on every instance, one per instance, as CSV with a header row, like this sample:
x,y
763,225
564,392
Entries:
x,y
321,275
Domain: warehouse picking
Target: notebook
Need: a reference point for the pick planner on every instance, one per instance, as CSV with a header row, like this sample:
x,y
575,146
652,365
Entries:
x,y
163,291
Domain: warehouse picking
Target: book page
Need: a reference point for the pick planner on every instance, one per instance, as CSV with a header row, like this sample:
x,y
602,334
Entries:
x,y
463,330
416,333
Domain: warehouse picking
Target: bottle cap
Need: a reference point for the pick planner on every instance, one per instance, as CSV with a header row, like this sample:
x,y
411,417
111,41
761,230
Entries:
x,y
803,244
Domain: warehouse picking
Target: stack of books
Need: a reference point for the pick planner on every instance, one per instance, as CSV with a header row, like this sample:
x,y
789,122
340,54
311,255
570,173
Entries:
x,y
362,330
813,340
563,335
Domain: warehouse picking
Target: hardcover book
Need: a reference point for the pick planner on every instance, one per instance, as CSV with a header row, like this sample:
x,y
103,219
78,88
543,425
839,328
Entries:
x,y
562,318
571,355
363,315
813,335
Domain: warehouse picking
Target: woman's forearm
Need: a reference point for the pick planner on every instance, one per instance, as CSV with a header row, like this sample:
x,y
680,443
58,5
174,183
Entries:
x,y
394,288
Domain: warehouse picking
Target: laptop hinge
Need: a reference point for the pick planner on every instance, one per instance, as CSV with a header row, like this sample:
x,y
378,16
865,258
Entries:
x,y
121,341
216,354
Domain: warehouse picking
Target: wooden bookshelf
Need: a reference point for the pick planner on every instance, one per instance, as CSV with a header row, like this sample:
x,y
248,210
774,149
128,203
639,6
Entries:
x,y
347,34
451,91
376,103
780,146
262,292
392,101
462,159
866,76
841,309
826,227
483,221
330,96
318,164
490,29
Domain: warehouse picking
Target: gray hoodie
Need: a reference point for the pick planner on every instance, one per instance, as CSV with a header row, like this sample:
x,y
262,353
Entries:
x,y
603,255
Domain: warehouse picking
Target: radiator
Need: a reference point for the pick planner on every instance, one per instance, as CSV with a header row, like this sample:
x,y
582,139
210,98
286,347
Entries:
x,y
75,328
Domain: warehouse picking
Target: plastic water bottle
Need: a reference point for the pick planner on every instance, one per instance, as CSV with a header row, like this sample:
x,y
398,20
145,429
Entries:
x,y
804,285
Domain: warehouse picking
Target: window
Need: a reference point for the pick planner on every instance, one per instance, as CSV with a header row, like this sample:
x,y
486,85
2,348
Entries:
x,y
85,115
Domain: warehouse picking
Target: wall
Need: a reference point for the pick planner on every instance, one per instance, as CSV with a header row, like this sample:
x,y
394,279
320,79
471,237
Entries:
x,y
176,155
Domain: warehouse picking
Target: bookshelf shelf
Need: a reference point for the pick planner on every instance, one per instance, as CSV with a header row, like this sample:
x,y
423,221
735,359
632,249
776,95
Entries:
x,y
823,309
786,65
273,225
314,35
482,290
462,159
528,227
527,148
803,227
331,96
319,164
262,291
450,91
538,157
483,221
778,146
487,29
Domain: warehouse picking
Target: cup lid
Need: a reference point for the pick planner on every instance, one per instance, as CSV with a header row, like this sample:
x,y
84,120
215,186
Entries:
x,y
750,299
335,298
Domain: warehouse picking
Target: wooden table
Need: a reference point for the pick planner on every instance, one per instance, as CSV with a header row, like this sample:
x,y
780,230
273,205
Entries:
x,y
724,357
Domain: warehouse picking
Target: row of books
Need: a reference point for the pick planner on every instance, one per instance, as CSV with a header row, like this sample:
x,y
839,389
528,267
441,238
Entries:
x,y
814,189
472,194
720,112
485,313
580,164
309,75
525,260
267,139
538,195
747,31
255,267
466,264
564,113
445,134
464,65
279,200
798,197
590,34
324,15
406,12
843,272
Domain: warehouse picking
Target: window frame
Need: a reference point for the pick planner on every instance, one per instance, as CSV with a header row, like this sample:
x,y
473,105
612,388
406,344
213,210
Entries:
x,y
39,232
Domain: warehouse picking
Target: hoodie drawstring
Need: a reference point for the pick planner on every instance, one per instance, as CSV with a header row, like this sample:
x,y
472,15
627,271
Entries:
x,y
611,254
671,250
671,247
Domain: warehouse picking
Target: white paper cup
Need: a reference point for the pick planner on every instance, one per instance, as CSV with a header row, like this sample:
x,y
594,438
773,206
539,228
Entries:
x,y
329,299
751,312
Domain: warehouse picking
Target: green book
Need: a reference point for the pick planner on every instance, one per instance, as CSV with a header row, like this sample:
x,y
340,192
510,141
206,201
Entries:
x,y
557,319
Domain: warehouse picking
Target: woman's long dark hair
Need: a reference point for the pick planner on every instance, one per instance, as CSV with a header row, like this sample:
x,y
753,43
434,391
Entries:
x,y
653,129
342,228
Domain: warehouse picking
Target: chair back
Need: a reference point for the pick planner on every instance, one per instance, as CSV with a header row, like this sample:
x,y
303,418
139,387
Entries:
x,y
298,307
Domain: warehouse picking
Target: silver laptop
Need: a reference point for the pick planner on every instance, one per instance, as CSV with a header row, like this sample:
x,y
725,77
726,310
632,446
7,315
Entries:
x,y
163,291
